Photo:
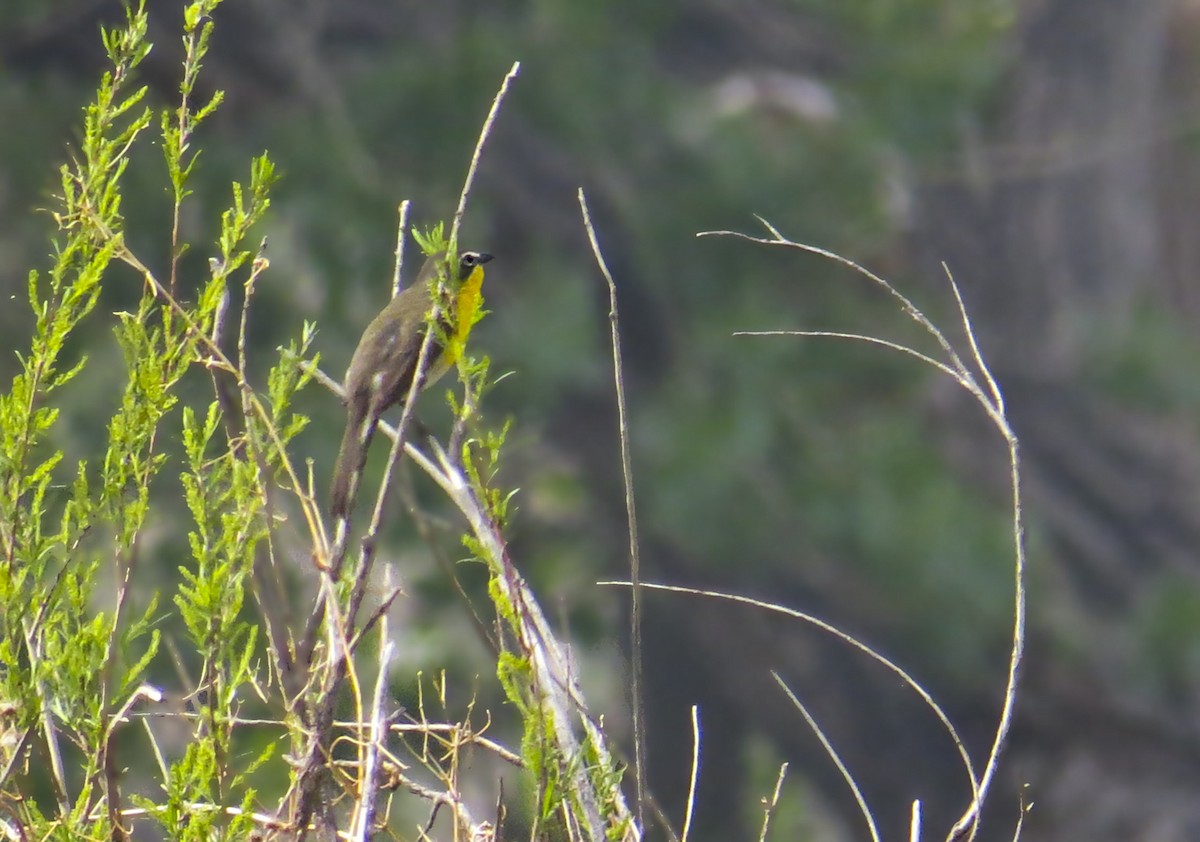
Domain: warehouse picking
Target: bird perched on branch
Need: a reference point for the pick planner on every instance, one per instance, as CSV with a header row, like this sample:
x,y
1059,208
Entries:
x,y
384,363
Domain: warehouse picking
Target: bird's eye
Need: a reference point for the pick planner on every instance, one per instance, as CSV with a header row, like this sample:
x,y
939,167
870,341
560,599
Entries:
x,y
469,259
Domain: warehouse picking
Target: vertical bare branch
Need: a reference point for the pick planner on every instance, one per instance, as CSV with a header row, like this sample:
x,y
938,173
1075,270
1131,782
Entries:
x,y
695,775
376,732
483,136
635,566
401,239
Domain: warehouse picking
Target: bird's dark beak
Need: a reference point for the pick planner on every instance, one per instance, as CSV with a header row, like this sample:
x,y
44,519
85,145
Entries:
x,y
484,257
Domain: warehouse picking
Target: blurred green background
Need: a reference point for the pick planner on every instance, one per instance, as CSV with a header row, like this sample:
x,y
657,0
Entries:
x,y
1044,150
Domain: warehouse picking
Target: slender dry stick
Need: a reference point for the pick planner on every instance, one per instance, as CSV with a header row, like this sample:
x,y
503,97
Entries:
x,y
341,530
219,358
558,688
993,388
423,360
1016,659
58,773
859,337
635,565
474,738
220,378
691,799
464,822
833,755
377,614
1025,808
339,637
1016,656
259,265
112,794
369,538
158,755
368,541
401,239
364,815
464,414
498,824
769,806
957,369
483,136
993,403
908,307
841,635
424,357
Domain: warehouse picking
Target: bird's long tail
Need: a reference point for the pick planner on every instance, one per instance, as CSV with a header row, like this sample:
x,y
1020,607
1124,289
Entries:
x,y
352,456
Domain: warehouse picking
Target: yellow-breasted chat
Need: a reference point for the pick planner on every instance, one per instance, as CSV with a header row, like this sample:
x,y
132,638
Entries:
x,y
384,363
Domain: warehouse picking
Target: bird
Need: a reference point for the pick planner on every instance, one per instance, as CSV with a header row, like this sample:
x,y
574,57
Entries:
x,y
382,368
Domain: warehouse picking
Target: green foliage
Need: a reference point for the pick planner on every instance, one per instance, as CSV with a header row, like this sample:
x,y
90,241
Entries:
x,y
433,241
57,651
216,476
709,427
74,668
222,495
480,452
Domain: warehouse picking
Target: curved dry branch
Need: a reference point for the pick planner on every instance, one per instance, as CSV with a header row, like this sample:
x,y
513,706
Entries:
x,y
833,755
992,401
836,632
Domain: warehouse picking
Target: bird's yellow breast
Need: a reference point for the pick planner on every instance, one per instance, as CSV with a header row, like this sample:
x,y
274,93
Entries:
x,y
466,312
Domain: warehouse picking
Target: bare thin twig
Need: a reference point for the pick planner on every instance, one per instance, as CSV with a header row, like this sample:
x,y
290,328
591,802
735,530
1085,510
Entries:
x,y
483,136
691,799
58,773
556,683
635,565
841,635
910,309
425,355
364,814
1025,808
401,239
477,739
769,806
560,689
203,807
993,388
462,815
992,401
833,755
367,553
860,337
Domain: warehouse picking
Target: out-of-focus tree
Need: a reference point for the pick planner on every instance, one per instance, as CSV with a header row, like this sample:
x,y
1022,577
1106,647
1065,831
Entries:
x,y
1042,149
